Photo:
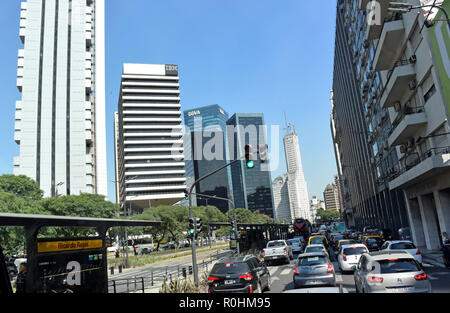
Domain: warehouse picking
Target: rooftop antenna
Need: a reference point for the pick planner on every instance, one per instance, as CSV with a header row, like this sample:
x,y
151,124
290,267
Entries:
x,y
289,127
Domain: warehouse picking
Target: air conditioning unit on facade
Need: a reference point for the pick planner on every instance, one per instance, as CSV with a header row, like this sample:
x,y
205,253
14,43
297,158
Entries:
x,y
413,59
397,106
403,149
413,84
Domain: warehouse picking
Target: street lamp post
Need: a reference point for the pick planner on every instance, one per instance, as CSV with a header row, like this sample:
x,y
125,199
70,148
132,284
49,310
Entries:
x,y
402,7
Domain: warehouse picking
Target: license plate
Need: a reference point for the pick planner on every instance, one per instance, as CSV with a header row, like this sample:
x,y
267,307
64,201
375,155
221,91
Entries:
x,y
313,282
404,289
229,282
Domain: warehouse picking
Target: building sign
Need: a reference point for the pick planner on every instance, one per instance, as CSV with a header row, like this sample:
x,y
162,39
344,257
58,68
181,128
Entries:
x,y
55,246
194,113
440,46
171,70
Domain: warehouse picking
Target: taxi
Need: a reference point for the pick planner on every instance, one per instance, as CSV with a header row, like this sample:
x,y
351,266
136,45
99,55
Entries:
x,y
373,242
345,242
318,239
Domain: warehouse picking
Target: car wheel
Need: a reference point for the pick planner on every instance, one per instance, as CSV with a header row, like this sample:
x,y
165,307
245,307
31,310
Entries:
x,y
258,289
291,257
288,260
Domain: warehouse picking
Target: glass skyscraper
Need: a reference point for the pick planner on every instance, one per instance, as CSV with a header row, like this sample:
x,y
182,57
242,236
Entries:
x,y
252,188
211,118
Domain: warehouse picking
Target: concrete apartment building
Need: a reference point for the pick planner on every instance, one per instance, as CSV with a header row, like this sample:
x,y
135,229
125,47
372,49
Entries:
x,y
297,187
331,197
281,198
60,118
360,128
151,160
413,63
403,78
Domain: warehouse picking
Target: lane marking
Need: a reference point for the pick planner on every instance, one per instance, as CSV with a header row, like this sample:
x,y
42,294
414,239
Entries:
x,y
339,278
285,271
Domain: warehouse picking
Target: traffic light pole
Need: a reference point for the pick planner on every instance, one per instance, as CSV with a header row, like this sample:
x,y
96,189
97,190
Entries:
x,y
194,256
234,215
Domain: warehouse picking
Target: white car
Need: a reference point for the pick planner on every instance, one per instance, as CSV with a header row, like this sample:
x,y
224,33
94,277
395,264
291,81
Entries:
x,y
405,245
349,255
296,244
315,248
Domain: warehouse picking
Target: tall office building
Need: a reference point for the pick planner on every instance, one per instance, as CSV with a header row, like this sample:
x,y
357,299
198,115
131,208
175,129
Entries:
x,y
151,160
331,197
60,120
207,126
252,187
298,190
281,199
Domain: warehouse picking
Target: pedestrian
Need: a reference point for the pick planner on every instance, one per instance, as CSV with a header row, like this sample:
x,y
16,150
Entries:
x,y
445,239
117,253
20,282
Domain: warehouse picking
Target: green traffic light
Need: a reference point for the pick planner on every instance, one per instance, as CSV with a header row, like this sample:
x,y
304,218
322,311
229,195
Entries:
x,y
250,164
191,231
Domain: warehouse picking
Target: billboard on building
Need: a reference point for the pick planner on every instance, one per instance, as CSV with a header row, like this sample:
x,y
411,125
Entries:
x,y
440,45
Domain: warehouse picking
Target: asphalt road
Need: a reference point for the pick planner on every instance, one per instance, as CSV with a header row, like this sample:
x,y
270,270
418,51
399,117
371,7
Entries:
x,y
282,277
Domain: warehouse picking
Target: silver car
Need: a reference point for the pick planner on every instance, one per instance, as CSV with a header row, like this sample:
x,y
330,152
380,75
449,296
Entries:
x,y
313,269
316,248
390,272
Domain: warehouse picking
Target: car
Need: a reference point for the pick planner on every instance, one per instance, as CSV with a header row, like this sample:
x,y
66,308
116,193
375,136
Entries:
x,y
349,255
278,250
318,239
335,240
244,274
144,250
406,245
344,242
373,243
296,244
169,246
313,269
315,248
390,272
12,270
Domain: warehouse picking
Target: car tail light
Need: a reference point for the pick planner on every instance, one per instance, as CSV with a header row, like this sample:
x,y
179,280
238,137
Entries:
x,y
285,250
421,276
375,279
330,269
345,257
263,253
296,271
418,252
251,289
211,278
246,277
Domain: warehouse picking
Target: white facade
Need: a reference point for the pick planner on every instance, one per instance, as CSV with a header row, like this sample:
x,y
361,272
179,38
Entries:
x,y
151,154
60,120
281,198
298,190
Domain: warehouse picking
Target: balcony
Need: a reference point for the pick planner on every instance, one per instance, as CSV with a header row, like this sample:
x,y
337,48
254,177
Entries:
x,y
390,45
399,82
421,167
406,125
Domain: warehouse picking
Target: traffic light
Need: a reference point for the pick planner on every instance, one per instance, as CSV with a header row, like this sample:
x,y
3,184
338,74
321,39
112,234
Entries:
x,y
198,224
191,227
249,157
263,153
186,194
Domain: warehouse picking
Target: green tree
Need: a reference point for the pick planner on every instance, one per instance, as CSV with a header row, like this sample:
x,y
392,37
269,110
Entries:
x,y
22,186
327,215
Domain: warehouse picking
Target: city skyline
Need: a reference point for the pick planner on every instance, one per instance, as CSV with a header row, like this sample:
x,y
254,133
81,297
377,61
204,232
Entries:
x,y
254,98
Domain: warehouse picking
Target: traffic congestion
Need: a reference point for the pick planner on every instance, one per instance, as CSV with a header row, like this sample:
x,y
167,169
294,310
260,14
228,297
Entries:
x,y
329,261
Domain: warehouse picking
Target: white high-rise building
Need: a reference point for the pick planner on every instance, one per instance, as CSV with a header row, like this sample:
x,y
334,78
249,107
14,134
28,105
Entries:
x,y
60,120
151,154
281,198
298,190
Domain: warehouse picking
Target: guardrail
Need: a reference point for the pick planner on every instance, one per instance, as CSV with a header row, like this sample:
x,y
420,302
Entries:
x,y
158,275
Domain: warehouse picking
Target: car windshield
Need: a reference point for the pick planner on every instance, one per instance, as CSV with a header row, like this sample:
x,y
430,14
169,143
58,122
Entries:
x,y
355,250
276,244
393,266
403,246
314,249
230,268
311,260
317,240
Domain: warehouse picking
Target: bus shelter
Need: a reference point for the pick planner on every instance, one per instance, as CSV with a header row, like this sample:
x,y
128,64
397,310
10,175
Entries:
x,y
57,263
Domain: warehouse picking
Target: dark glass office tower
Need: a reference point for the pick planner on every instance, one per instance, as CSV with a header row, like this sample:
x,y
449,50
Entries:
x,y
252,188
211,118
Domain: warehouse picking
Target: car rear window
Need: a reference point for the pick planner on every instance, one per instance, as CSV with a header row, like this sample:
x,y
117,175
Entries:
x,y
393,266
230,268
403,246
374,240
275,244
317,240
314,249
346,242
337,238
311,260
355,251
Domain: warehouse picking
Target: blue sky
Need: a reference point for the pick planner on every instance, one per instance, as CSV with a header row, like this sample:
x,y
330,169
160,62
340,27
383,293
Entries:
x,y
252,56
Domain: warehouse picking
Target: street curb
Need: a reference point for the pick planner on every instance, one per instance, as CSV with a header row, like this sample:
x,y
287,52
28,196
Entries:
x,y
433,262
